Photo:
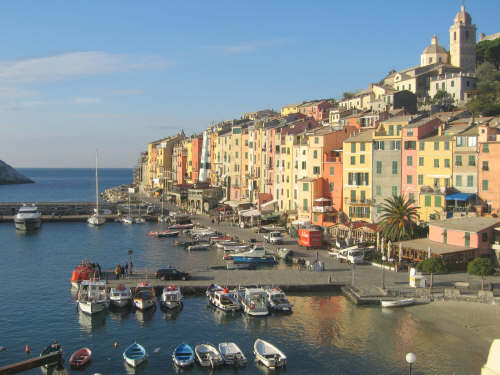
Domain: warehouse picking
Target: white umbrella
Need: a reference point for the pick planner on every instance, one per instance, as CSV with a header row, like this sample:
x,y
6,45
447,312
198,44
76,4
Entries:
x,y
400,251
382,248
429,253
362,237
389,249
378,241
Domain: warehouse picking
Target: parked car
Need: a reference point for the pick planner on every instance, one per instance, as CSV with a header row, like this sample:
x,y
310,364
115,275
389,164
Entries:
x,y
171,274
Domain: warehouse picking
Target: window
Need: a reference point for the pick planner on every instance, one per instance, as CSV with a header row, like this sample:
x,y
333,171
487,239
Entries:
x,y
353,147
445,236
458,161
394,191
379,208
305,186
353,195
315,154
420,161
316,140
420,179
306,205
447,145
410,145
316,170
409,132
361,147
331,171
422,146
486,148
378,190
447,163
409,161
363,195
458,181
395,145
362,159
353,160
394,167
331,187
470,181
484,236
437,201
411,197
436,163
427,201
485,166
378,145
467,239
391,129
461,141
485,185
452,83
409,179
436,146
236,141
436,182
399,126
472,160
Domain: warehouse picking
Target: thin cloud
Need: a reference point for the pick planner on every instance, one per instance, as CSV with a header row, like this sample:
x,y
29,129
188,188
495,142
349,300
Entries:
x,y
86,100
74,64
15,92
125,92
248,47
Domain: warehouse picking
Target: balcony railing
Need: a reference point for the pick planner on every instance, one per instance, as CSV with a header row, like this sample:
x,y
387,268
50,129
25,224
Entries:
x,y
322,209
359,202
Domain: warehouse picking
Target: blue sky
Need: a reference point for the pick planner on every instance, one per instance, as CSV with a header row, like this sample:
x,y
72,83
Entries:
x,y
113,75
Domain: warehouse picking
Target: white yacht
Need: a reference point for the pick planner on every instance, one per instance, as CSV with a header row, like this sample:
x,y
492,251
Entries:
x,y
277,301
120,296
96,218
28,218
222,298
253,301
171,297
92,297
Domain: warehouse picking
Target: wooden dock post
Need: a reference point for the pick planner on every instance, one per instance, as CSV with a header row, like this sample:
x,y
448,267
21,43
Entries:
x,y
31,363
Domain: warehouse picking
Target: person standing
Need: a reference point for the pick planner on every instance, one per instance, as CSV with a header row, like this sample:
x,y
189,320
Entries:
x,y
130,268
126,267
117,272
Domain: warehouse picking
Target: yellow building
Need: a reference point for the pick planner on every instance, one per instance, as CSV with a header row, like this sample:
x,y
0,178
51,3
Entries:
x,y
434,175
291,108
357,177
189,163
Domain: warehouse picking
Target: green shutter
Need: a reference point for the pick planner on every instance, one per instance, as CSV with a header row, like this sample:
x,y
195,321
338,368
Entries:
x,y
427,201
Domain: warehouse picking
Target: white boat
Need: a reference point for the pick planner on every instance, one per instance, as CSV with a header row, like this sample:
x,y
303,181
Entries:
x,y
92,297
222,298
208,355
269,355
253,301
236,248
284,253
256,254
144,296
222,244
199,246
398,302
120,296
139,220
28,218
277,301
96,218
134,355
127,220
171,297
232,354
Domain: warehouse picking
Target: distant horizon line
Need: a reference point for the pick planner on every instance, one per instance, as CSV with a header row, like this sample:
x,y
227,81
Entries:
x,y
73,167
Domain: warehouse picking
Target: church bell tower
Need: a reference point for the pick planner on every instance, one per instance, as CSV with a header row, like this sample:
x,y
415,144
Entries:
x,y
463,41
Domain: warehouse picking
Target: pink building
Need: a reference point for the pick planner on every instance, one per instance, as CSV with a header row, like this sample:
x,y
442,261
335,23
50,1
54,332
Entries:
x,y
319,110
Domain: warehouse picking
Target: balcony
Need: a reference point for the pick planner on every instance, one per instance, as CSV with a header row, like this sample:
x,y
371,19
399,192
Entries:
x,y
356,202
322,209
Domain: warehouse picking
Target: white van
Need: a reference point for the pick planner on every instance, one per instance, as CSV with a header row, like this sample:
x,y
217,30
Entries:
x,y
354,256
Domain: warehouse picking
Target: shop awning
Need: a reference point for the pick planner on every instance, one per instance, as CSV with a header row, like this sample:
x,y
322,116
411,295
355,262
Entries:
x,y
267,204
249,213
459,197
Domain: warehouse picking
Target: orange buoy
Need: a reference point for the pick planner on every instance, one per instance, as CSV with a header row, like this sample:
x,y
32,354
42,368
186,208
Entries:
x,y
116,344
27,349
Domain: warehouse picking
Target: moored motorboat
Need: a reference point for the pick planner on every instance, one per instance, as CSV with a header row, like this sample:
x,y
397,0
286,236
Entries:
x,y
183,355
222,298
171,297
84,271
134,355
269,355
139,220
144,296
253,301
55,347
232,354
255,255
208,356
127,220
28,218
120,296
199,246
80,358
92,296
181,226
164,233
277,301
398,303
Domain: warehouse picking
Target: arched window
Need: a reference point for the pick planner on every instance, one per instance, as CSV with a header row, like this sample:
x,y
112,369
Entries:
x,y
454,35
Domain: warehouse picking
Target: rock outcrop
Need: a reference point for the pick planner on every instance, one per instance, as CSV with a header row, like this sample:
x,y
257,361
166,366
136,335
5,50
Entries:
x,y
9,175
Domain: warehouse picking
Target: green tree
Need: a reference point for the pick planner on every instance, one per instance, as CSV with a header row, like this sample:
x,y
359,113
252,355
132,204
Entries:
x,y
481,267
434,265
487,96
488,51
444,100
399,219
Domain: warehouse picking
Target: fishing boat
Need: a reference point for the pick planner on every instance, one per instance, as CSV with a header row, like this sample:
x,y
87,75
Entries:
x,y
55,347
171,297
183,355
269,355
144,296
92,296
398,302
255,255
84,271
134,355
28,218
232,354
120,296
199,246
222,298
164,233
236,247
221,244
208,355
96,218
277,301
80,358
218,239
181,226
253,301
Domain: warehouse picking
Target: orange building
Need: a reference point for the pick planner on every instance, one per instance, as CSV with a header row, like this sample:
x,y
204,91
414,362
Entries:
x,y
197,143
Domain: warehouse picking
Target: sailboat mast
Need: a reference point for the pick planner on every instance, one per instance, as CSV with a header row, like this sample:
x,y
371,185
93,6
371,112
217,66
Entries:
x,y
96,186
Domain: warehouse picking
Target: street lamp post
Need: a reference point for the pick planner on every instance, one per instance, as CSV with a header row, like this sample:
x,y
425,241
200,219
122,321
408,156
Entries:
x,y
384,258
411,358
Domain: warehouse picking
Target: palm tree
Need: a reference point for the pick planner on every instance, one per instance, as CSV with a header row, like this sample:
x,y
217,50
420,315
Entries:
x,y
399,218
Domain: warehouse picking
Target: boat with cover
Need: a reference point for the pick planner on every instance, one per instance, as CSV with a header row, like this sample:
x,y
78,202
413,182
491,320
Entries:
x,y
253,301
398,303
55,347
84,271
96,218
183,355
92,296
199,246
144,296
80,358
134,355
256,255
181,226
171,297
277,301
269,355
28,218
222,298
120,296
208,355
232,354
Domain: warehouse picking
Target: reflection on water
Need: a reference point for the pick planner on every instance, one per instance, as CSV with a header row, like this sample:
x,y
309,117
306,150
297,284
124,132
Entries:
x,y
171,314
120,313
145,316
92,323
222,317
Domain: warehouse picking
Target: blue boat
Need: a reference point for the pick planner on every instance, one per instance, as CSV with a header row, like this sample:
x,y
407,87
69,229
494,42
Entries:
x,y
134,355
256,255
183,355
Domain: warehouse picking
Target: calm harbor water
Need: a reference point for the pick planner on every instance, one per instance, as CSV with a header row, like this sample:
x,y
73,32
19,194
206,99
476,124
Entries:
x,y
325,334
63,184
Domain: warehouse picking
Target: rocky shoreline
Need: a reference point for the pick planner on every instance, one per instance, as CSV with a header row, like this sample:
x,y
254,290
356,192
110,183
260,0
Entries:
x,y
9,176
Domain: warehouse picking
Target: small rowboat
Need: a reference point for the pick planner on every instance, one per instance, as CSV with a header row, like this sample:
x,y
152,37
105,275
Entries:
x,y
208,356
269,355
183,355
398,303
80,358
232,354
134,355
